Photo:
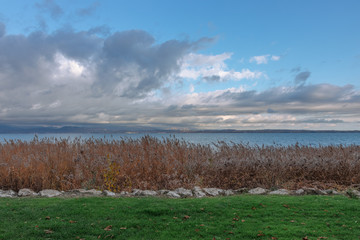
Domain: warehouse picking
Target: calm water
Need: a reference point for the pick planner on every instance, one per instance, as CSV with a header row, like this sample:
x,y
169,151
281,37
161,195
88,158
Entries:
x,y
283,139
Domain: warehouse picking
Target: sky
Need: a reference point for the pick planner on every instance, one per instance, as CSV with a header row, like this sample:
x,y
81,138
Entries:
x,y
180,64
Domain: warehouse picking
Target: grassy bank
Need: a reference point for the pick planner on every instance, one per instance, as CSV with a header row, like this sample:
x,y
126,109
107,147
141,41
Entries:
x,y
238,217
150,163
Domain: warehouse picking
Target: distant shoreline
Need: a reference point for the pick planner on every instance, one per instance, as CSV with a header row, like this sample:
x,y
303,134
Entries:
x,y
115,130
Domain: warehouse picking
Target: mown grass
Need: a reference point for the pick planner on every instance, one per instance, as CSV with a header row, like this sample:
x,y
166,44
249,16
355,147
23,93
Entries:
x,y
151,163
237,217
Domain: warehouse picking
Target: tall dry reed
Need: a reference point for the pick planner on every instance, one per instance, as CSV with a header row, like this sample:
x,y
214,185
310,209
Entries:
x,y
151,163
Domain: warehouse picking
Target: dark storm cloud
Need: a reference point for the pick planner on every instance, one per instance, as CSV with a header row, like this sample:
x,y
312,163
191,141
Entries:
x,y
301,78
51,7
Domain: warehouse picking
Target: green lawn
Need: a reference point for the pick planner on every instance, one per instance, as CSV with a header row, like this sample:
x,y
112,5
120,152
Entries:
x,y
237,217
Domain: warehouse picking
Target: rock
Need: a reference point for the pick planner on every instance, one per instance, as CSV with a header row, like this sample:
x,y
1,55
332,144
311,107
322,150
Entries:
x,y
135,192
173,194
49,193
148,193
109,193
84,192
228,192
258,191
353,193
7,193
124,194
332,192
144,193
313,191
241,190
184,192
92,192
163,192
280,192
26,192
213,191
300,192
198,192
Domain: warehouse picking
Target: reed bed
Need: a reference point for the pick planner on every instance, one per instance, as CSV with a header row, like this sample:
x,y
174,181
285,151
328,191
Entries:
x,y
169,163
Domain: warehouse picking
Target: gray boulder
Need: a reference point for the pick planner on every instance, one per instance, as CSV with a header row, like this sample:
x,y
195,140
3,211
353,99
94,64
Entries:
x,y
49,193
313,191
124,194
26,192
300,192
93,192
229,192
198,192
258,191
354,192
333,192
213,191
280,192
144,193
163,192
173,194
241,190
7,193
109,193
184,192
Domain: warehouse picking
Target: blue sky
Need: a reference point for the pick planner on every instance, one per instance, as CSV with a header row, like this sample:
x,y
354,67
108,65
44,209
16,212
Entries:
x,y
181,64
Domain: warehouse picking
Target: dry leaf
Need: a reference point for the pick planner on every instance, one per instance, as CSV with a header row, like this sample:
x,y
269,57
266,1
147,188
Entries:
x,y
71,221
186,217
108,228
47,218
48,231
123,228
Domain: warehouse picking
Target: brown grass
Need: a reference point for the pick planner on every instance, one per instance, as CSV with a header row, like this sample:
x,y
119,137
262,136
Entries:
x,y
150,163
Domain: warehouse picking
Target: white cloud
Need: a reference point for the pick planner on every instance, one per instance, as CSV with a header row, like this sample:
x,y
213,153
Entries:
x,y
264,59
275,58
213,68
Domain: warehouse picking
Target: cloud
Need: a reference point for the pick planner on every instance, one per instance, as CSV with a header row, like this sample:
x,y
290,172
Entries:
x,y
88,11
264,59
129,78
74,75
212,68
51,7
301,78
2,29
275,58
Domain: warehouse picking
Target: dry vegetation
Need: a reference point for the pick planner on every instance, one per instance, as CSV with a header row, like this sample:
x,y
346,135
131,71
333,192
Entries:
x,y
150,163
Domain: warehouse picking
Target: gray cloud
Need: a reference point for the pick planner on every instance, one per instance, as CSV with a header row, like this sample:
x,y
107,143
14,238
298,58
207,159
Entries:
x,y
129,78
295,69
70,76
213,78
100,30
301,78
2,29
88,11
51,7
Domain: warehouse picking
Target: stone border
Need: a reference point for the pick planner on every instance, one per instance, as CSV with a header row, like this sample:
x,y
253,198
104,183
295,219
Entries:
x,y
196,192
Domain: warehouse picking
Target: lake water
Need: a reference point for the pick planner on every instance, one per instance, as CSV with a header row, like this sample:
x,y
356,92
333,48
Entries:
x,y
278,139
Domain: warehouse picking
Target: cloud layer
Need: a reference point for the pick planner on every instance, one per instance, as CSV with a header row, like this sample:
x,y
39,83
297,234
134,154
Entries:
x,y
128,77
